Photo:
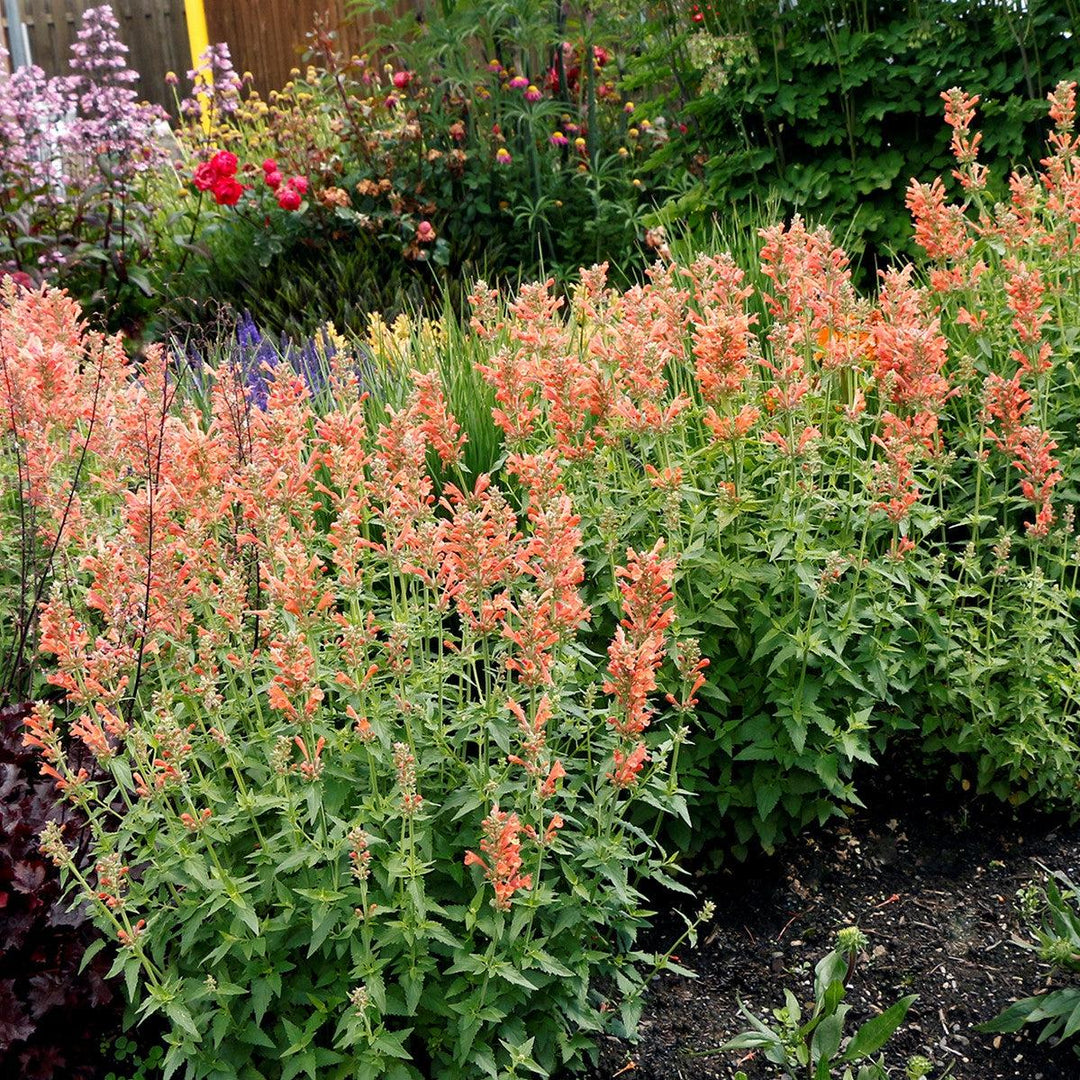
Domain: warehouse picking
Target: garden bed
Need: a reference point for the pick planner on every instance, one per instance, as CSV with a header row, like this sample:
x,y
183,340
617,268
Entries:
x,y
932,882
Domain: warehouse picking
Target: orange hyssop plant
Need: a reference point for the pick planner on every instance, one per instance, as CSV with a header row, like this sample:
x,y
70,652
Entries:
x,y
378,740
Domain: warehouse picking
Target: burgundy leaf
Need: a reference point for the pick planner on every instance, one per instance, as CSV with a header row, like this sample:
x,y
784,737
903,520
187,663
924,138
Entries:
x,y
47,991
15,1022
28,877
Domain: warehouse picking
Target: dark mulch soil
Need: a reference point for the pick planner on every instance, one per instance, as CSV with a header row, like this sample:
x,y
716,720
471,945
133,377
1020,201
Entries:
x,y
932,884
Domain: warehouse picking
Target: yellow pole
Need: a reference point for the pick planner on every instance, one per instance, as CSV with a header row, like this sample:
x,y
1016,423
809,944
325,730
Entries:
x,y
198,36
198,43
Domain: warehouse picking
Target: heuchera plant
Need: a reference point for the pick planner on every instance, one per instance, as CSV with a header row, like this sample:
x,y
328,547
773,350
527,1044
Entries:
x,y
364,800
55,1005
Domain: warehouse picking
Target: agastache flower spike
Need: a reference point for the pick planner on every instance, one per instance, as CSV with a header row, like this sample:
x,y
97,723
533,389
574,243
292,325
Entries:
x,y
628,766
636,653
405,763
502,867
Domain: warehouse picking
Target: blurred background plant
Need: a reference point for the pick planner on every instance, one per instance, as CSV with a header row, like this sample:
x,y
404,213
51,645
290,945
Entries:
x,y
490,141
80,161
824,105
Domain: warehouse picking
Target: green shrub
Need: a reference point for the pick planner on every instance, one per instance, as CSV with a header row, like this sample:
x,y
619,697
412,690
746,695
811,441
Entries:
x,y
831,107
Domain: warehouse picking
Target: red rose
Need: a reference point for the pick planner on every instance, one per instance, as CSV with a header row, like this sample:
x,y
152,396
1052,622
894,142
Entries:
x,y
205,176
300,183
273,180
269,166
227,191
288,198
224,163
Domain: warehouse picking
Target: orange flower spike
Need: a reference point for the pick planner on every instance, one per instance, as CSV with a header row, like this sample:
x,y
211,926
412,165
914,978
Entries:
x,y
1025,290
534,635
959,115
628,766
941,230
555,774
443,432
909,349
646,586
637,651
41,733
502,867
91,734
311,767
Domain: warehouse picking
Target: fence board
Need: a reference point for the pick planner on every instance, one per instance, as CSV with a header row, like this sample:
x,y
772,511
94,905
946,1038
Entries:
x,y
267,37
155,32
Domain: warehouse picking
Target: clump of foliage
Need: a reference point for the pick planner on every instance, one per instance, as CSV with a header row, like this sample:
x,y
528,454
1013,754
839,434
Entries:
x,y
826,105
54,1000
1053,915
361,802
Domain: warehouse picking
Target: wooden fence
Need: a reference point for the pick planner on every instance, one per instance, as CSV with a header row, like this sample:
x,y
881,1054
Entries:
x,y
267,37
155,32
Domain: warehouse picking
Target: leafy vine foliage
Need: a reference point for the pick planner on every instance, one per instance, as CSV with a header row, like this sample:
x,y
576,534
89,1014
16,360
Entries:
x,y
831,108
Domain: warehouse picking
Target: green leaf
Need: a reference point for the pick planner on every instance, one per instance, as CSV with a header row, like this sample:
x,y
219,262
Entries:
x,y
90,952
322,922
767,795
508,972
1072,1025
306,1062
261,993
827,1036
873,1035
178,1013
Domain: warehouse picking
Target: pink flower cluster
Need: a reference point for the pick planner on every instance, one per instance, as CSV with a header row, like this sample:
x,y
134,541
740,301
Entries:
x,y
290,193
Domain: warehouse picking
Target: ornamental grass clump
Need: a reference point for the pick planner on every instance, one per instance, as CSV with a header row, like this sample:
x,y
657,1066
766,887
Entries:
x,y
362,797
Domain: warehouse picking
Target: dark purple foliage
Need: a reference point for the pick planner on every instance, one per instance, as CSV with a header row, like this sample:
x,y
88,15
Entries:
x,y
52,1018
